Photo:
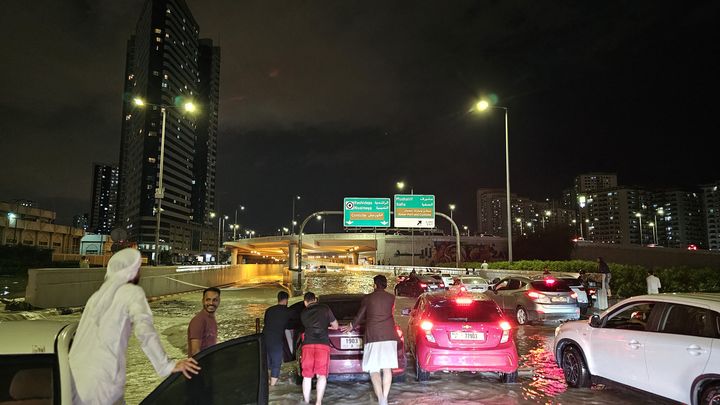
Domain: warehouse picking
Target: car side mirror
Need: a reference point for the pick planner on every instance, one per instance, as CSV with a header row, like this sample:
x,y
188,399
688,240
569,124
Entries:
x,y
406,311
595,321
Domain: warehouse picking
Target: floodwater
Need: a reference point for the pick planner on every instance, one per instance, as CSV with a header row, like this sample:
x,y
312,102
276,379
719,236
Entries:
x,y
540,380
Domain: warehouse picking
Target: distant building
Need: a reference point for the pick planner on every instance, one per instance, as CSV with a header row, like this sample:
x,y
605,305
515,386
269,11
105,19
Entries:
x,y
678,218
81,221
32,226
167,65
610,216
528,216
711,210
104,198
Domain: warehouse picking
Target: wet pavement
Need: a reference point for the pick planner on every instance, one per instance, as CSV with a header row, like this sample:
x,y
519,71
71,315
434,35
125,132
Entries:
x,y
540,380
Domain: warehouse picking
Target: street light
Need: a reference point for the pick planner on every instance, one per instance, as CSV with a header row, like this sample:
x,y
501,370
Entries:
x,y
188,106
519,221
465,228
484,105
546,215
401,185
320,218
294,222
654,231
452,208
660,211
639,217
235,227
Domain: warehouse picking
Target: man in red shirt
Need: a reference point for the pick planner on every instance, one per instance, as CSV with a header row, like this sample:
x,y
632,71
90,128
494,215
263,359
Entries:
x,y
317,319
202,331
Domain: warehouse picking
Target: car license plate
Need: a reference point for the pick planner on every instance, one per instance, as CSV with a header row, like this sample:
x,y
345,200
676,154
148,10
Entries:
x,y
558,299
351,343
467,336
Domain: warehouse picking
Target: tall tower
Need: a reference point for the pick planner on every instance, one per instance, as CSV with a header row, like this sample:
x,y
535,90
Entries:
x,y
104,198
163,67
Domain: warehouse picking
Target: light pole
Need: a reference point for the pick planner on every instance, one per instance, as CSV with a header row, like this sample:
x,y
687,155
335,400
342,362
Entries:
x,y
466,229
654,232
484,105
639,217
660,211
519,221
160,190
294,222
546,215
401,185
235,227
285,230
13,217
452,208
321,218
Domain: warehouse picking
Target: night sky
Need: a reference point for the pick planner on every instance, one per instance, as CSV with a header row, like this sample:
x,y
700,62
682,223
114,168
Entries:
x,y
329,99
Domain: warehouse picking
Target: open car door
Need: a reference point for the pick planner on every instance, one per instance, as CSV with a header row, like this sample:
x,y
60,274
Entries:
x,y
233,372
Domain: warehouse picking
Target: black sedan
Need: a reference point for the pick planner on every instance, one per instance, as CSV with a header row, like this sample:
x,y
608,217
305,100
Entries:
x,y
414,286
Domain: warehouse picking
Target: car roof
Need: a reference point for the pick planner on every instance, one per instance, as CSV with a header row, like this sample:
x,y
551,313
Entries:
x,y
446,295
710,300
340,297
30,336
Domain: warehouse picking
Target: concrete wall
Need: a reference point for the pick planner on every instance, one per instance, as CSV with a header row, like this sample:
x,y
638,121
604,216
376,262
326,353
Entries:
x,y
57,288
646,256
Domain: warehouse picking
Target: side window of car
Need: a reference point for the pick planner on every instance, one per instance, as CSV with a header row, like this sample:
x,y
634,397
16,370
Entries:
x,y
513,284
690,321
632,317
503,285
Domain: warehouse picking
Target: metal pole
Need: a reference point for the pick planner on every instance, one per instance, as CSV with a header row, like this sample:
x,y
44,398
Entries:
x,y
640,224
217,252
292,222
457,237
412,239
507,186
160,192
235,226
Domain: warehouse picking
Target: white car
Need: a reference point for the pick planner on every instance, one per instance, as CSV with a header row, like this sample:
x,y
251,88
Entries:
x,y
665,344
447,279
472,284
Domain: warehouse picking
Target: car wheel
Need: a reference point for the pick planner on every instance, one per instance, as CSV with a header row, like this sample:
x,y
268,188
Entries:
x,y
521,316
420,374
509,378
710,395
574,368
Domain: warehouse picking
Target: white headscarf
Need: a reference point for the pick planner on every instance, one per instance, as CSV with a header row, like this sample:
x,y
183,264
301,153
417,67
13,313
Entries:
x,y
122,267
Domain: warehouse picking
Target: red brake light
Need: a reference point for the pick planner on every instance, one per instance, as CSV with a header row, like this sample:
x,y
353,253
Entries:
x,y
505,325
442,285
423,285
426,325
463,301
549,281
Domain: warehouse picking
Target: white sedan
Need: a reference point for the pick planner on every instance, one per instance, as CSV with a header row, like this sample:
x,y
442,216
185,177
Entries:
x,y
472,284
666,344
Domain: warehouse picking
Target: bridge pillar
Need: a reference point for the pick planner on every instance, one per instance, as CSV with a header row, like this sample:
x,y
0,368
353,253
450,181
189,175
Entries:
x,y
292,255
234,256
355,258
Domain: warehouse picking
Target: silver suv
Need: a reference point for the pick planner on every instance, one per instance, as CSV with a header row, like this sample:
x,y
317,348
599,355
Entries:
x,y
536,299
666,344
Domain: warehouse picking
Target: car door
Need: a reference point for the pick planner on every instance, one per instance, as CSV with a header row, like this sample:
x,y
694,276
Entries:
x,y
233,372
679,351
618,346
413,324
506,292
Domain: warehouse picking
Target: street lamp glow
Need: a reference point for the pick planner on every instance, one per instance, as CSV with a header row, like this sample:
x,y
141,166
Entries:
x,y
212,215
138,102
11,215
452,207
482,105
400,185
319,217
189,106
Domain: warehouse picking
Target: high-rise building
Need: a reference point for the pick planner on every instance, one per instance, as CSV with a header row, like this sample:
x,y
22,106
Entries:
x,y
611,216
104,198
711,208
81,221
589,182
678,219
168,65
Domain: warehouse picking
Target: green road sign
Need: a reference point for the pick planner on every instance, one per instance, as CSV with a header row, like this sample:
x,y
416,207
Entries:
x,y
366,212
414,211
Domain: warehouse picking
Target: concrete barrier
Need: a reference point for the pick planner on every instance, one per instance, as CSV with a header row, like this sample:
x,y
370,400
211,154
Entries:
x,y
68,287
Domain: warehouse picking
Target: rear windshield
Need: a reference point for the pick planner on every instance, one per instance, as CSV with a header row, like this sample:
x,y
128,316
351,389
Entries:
x,y
572,281
343,310
474,280
478,311
431,279
544,285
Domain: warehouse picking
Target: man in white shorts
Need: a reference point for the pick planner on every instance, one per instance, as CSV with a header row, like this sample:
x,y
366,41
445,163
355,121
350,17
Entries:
x,y
380,350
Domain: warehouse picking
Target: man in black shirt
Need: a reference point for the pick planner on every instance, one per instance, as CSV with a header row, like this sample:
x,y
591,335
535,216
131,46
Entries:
x,y
317,319
276,320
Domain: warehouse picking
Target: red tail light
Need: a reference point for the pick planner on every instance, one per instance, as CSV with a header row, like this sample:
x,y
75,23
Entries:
x,y
549,281
442,285
463,301
533,294
423,285
426,325
505,325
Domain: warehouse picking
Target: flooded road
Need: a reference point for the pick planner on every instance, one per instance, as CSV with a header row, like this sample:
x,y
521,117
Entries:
x,y
540,380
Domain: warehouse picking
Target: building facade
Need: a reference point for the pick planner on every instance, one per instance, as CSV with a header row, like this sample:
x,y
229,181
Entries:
x,y
104,199
31,226
678,219
167,66
711,211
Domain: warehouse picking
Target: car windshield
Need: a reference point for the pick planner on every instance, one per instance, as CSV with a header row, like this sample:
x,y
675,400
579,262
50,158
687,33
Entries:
x,y
572,281
343,310
551,285
478,311
474,280
432,280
